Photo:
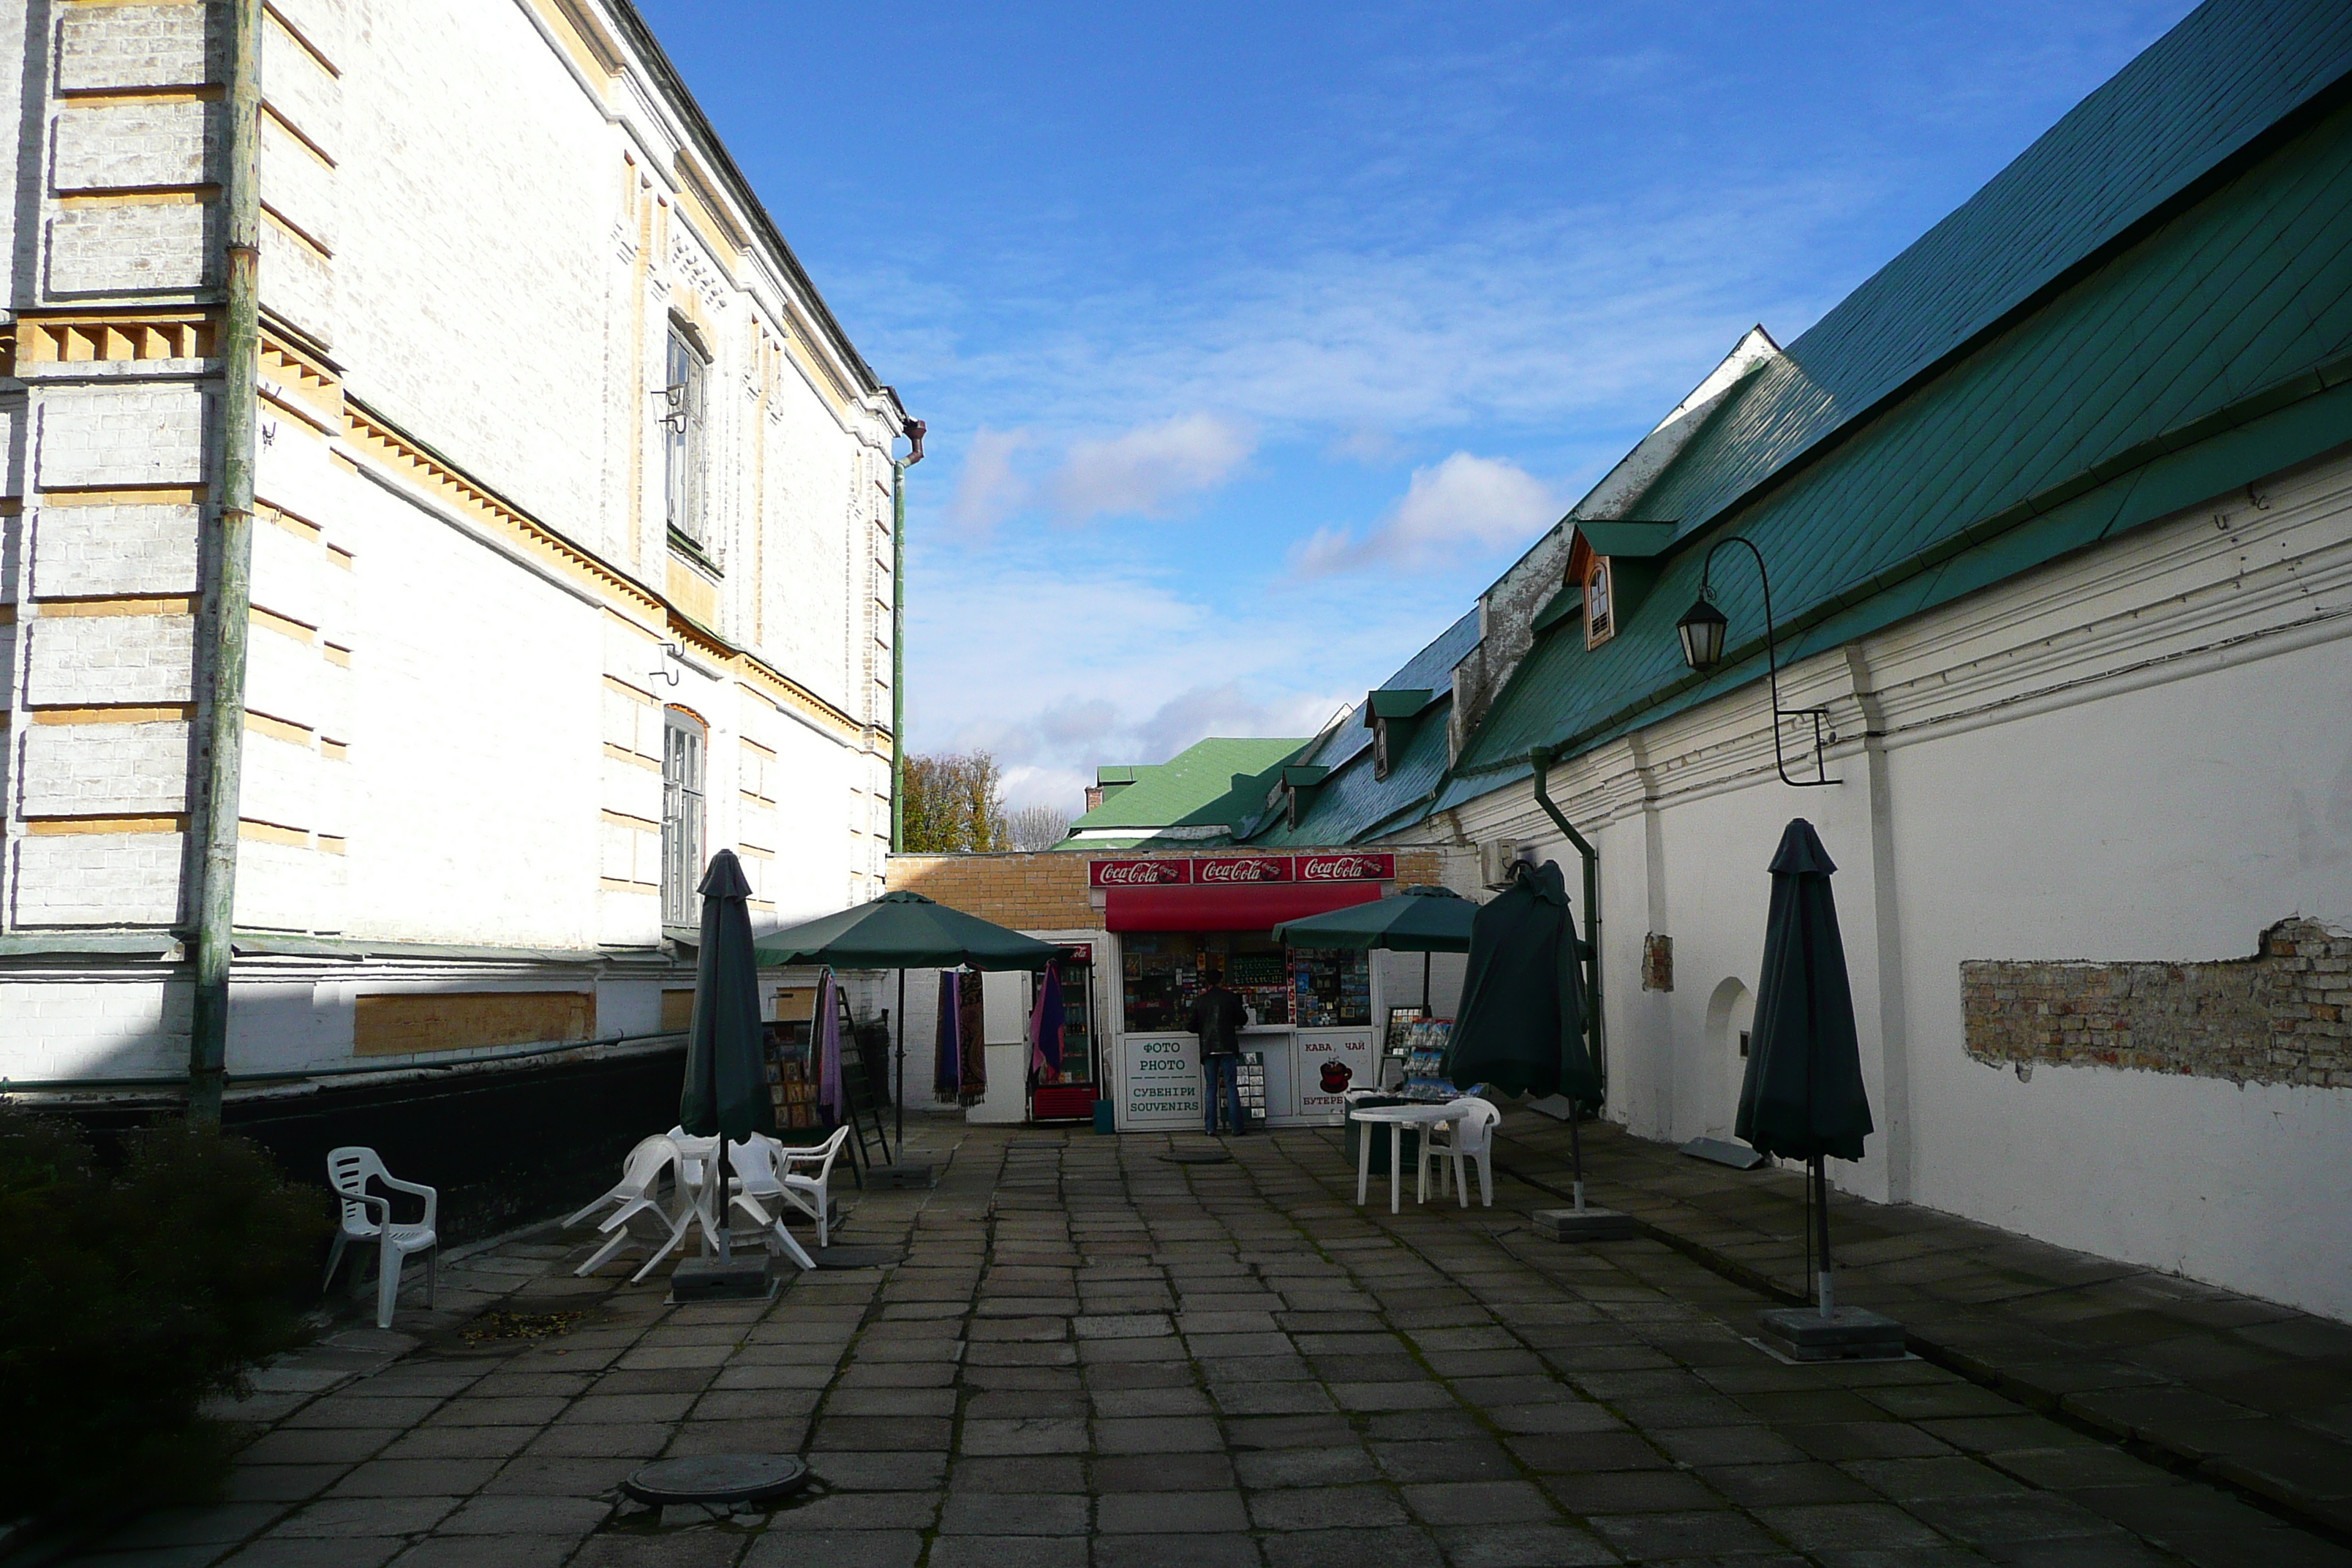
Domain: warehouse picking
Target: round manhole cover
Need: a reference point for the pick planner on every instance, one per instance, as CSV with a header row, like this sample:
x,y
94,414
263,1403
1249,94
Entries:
x,y
1196,1157
718,1479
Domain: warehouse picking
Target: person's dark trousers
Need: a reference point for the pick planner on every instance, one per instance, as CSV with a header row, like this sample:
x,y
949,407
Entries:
x,y
1222,1074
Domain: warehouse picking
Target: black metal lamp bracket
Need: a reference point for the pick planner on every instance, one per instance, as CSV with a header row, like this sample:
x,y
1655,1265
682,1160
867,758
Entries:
x,y
1823,734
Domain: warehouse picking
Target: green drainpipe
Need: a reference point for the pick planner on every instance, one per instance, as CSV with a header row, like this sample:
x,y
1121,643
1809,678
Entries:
x,y
898,654
228,582
1540,761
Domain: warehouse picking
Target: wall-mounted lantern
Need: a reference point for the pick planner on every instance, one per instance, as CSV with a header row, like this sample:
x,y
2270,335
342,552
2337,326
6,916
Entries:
x,y
1702,630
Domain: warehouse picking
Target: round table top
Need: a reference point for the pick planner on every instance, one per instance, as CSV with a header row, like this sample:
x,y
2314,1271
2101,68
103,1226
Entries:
x,y
1438,1111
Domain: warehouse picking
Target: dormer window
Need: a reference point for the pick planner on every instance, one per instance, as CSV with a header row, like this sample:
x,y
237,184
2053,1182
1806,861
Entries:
x,y
1390,714
1600,611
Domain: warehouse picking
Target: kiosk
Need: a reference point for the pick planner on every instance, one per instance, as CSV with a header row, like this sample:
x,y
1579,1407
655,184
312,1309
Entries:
x,y
1311,1011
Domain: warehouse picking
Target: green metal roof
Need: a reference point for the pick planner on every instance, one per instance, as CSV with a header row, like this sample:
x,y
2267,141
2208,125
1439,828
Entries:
x,y
1626,539
1219,782
2207,349
2225,75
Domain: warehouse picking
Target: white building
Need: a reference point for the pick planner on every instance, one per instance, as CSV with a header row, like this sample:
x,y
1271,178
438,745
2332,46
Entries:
x,y
2058,513
573,541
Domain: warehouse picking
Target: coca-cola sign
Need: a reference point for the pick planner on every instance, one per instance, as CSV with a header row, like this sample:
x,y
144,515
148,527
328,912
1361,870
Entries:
x,y
1346,868
1243,869
1138,873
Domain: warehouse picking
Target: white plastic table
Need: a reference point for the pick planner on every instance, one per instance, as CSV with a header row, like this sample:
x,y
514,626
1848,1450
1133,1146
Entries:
x,y
1398,1118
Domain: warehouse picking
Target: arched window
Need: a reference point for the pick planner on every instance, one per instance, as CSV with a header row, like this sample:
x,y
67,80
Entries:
x,y
683,738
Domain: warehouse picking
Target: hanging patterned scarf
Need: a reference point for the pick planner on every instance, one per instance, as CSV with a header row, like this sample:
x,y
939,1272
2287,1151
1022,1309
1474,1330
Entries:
x,y
947,1059
971,1035
830,1098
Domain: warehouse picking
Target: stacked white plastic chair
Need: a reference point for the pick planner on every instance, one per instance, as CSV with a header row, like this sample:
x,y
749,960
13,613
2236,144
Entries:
x,y
1468,1137
367,1217
633,1195
767,1171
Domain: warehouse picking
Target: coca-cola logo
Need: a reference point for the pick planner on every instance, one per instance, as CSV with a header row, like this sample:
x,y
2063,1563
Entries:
x,y
1346,868
1256,869
1140,873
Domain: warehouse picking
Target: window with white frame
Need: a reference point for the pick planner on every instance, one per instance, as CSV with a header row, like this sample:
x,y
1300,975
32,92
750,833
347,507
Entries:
x,y
686,402
681,827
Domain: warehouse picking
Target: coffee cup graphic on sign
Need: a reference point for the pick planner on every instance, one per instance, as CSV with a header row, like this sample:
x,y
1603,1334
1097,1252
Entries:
x,y
1336,1075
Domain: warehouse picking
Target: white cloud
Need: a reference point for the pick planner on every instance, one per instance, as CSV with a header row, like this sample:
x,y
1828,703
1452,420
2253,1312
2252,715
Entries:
x,y
1463,503
1147,470
988,489
1059,653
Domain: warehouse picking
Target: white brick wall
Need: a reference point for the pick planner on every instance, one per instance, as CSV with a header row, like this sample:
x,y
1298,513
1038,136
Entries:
x,y
282,887
97,879
290,575
133,45
296,284
102,436
294,87
280,782
296,185
130,246
285,679
105,770
100,550
130,146
80,659
97,1028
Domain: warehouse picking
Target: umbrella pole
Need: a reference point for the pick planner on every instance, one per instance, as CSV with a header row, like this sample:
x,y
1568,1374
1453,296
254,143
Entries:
x,y
1808,1229
1821,1210
1576,1146
1424,983
899,1094
726,1196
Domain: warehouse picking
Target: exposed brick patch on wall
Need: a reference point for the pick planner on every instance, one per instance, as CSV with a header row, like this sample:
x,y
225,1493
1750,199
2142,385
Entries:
x,y
1044,891
2277,1017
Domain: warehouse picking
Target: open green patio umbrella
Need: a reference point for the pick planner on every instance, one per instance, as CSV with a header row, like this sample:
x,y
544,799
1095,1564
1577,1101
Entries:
x,y
726,1091
904,931
1521,1024
1802,1096
1423,919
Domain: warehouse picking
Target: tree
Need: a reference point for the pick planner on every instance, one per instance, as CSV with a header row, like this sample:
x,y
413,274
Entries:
x,y
1037,827
954,805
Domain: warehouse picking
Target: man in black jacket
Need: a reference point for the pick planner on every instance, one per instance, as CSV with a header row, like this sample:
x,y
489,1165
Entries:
x,y
1217,1017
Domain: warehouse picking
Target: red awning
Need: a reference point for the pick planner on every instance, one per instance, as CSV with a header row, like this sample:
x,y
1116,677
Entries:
x,y
1259,907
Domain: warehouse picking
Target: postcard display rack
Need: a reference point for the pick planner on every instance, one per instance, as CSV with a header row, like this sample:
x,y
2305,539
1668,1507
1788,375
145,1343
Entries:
x,y
795,1065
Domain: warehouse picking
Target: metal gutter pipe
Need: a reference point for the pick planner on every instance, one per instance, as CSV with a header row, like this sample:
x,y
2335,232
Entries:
x,y
899,466
1540,762
228,580
898,656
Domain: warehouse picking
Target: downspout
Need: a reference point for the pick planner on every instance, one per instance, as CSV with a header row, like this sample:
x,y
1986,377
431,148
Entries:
x,y
1540,761
899,466
228,580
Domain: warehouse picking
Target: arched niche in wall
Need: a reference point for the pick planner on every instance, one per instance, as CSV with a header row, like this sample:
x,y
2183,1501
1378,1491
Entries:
x,y
1730,1011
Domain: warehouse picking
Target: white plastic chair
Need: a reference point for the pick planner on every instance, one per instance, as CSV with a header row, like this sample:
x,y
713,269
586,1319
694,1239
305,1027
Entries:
x,y
768,1171
632,1196
367,1217
1469,1137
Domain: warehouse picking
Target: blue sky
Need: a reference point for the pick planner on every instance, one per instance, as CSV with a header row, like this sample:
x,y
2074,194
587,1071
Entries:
x,y
1255,340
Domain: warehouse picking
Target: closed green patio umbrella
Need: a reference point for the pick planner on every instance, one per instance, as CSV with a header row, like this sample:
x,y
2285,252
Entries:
x,y
1423,919
1802,1096
726,1092
904,931
1522,1021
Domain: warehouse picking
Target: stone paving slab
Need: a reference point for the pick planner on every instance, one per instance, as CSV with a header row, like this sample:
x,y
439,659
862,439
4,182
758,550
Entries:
x,y
1094,1359
2251,1394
